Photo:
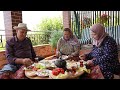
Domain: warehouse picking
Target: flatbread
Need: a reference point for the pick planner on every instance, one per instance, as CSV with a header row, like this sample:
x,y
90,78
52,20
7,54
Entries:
x,y
31,73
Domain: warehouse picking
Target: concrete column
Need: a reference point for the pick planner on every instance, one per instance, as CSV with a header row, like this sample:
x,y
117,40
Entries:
x,y
11,18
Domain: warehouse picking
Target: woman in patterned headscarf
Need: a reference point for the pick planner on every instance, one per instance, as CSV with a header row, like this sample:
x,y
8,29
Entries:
x,y
104,55
68,44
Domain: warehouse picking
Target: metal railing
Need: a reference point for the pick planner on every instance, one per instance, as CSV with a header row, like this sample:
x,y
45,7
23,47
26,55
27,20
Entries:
x,y
36,37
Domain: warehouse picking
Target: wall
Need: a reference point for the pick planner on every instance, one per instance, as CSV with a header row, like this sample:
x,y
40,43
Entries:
x,y
44,50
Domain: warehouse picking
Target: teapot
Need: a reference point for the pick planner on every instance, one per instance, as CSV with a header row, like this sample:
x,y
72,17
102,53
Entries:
x,y
60,63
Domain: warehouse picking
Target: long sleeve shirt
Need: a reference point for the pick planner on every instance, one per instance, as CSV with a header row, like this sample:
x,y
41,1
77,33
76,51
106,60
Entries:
x,y
106,56
19,49
70,47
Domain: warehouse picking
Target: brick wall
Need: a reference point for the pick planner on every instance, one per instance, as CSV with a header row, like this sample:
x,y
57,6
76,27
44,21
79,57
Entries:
x,y
67,19
16,18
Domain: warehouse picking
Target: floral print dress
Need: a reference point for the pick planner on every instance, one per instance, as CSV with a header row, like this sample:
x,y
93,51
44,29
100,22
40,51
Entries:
x,y
106,56
70,47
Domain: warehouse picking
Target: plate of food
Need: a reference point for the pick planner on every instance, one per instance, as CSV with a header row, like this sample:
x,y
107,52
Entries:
x,y
43,73
71,64
30,73
48,64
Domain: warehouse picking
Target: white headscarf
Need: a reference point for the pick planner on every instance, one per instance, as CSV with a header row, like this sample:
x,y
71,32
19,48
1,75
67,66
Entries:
x,y
98,29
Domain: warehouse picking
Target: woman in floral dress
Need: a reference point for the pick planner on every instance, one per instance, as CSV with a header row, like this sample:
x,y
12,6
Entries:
x,y
103,58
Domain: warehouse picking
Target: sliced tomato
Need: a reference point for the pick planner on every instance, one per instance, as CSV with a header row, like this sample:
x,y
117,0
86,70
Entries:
x,y
58,69
62,71
54,72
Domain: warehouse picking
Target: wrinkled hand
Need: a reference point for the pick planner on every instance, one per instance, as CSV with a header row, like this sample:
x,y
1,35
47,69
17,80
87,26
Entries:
x,y
90,63
57,54
27,62
82,57
70,56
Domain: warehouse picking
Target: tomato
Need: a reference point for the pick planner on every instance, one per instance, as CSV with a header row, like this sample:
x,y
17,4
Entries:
x,y
62,71
58,69
54,72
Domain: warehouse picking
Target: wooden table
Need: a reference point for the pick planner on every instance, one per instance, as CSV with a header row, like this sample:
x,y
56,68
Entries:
x,y
50,58
37,77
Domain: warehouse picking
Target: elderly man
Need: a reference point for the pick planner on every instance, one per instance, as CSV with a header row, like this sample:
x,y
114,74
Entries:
x,y
19,53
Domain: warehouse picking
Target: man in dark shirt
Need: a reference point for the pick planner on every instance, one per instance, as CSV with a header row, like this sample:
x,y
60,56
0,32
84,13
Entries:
x,y
19,50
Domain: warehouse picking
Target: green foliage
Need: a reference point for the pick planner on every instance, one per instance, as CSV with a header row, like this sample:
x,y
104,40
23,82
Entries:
x,y
47,25
50,24
2,44
54,38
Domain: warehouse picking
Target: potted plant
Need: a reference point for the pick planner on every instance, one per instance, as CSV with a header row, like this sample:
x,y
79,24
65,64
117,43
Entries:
x,y
55,36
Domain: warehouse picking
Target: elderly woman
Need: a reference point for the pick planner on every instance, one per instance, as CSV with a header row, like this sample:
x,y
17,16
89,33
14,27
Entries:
x,y
68,44
104,56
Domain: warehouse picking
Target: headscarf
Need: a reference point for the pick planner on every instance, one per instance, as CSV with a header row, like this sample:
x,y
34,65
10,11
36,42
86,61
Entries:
x,y
98,29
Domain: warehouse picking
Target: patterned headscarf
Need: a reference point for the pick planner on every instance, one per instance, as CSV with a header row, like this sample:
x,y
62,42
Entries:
x,y
98,29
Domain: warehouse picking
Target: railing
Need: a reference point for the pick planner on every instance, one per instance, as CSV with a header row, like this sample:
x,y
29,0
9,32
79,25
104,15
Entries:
x,y
37,37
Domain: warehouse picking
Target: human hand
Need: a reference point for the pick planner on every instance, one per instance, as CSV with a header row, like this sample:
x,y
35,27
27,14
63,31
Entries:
x,y
82,57
57,54
27,61
70,56
89,63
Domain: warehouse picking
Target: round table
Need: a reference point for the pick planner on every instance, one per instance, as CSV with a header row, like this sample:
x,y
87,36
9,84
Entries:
x,y
27,72
37,77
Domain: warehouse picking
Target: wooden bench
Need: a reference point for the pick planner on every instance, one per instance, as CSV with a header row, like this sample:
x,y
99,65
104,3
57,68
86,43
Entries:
x,y
3,60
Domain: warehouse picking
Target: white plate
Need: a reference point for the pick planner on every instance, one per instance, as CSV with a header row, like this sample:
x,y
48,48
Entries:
x,y
43,73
